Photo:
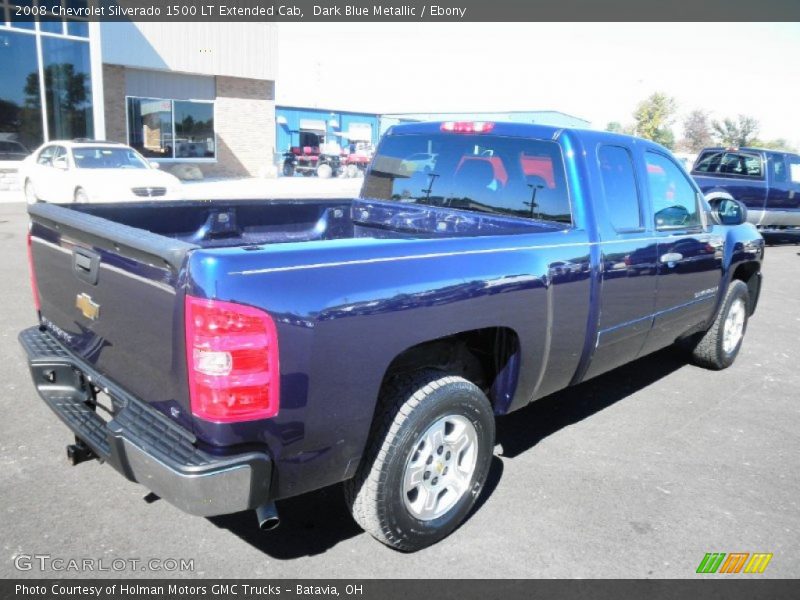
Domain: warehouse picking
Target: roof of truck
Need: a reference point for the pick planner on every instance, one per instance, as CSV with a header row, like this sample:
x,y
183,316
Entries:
x,y
531,130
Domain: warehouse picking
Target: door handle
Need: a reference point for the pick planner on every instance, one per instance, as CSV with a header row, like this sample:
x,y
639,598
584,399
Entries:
x,y
86,264
671,257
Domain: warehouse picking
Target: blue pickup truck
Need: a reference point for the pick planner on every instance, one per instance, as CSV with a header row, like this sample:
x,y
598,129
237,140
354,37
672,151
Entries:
x,y
228,354
767,182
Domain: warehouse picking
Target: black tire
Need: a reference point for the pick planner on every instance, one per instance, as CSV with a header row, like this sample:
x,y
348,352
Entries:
x,y
288,169
710,351
411,405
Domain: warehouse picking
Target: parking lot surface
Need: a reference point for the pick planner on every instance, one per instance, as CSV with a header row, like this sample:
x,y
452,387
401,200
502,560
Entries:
x,y
637,473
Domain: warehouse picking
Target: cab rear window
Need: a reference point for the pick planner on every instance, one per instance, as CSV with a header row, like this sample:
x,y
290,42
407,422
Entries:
x,y
481,173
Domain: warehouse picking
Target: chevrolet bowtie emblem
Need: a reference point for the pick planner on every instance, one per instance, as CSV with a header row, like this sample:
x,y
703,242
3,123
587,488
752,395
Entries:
x,y
88,307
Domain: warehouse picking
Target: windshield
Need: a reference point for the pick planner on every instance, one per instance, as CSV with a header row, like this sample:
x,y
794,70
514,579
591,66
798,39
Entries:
x,y
483,173
103,157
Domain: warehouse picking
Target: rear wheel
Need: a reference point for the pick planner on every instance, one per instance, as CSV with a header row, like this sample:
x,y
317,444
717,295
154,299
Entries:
x,y
718,347
288,169
427,463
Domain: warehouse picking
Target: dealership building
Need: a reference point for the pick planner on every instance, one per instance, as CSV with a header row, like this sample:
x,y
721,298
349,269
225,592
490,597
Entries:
x,y
202,99
198,99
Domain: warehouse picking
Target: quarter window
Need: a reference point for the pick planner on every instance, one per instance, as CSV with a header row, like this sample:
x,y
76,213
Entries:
x,y
674,198
619,188
46,156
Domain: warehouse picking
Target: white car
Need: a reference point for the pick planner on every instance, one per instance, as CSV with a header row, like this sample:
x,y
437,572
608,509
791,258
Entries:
x,y
88,171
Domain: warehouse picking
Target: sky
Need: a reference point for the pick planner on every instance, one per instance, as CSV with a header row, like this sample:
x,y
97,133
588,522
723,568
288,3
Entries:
x,y
596,71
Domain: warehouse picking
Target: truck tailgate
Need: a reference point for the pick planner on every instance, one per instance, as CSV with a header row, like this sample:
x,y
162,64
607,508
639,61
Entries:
x,y
111,294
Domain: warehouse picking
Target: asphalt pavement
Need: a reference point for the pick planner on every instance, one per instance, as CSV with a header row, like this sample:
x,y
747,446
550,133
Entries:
x,y
637,473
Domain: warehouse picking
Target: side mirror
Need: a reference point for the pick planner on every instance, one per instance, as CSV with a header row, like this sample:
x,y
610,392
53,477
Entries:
x,y
61,163
727,211
154,164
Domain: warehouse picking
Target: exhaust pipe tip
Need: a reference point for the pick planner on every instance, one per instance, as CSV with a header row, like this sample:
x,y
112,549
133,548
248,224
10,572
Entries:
x,y
267,515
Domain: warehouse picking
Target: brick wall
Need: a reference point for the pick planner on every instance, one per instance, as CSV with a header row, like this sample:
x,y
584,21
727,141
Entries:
x,y
114,100
245,126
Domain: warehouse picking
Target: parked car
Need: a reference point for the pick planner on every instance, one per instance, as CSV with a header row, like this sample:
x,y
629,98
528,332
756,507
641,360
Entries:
x,y
93,171
229,354
766,181
12,151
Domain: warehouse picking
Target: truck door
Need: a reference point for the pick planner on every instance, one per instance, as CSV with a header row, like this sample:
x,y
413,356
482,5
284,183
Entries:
x,y
784,189
629,262
689,253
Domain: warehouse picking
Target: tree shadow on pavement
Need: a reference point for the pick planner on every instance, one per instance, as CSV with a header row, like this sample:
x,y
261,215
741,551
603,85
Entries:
x,y
523,429
315,522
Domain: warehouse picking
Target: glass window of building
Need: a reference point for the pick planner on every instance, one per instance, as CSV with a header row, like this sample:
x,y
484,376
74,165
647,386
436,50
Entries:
x,y
171,129
67,82
20,98
150,126
21,17
194,130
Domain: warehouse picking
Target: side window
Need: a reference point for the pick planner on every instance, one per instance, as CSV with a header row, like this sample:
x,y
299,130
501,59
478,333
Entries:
x,y
619,188
46,156
60,153
730,164
794,169
673,197
778,167
751,166
709,162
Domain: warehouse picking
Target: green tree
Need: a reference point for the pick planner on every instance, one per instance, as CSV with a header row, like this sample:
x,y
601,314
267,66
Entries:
x,y
742,132
697,132
615,127
776,144
654,116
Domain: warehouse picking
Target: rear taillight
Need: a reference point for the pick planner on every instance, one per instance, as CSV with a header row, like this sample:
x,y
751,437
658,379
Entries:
x,y
32,272
467,126
232,360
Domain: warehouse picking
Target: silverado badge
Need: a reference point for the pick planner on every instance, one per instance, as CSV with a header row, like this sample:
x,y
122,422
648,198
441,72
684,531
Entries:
x,y
87,306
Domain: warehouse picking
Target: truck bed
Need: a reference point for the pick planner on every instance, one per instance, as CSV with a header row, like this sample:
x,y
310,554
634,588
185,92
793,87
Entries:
x,y
227,223
130,261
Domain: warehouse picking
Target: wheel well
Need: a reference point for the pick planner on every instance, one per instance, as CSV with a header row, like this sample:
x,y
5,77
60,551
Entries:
x,y
748,273
486,357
